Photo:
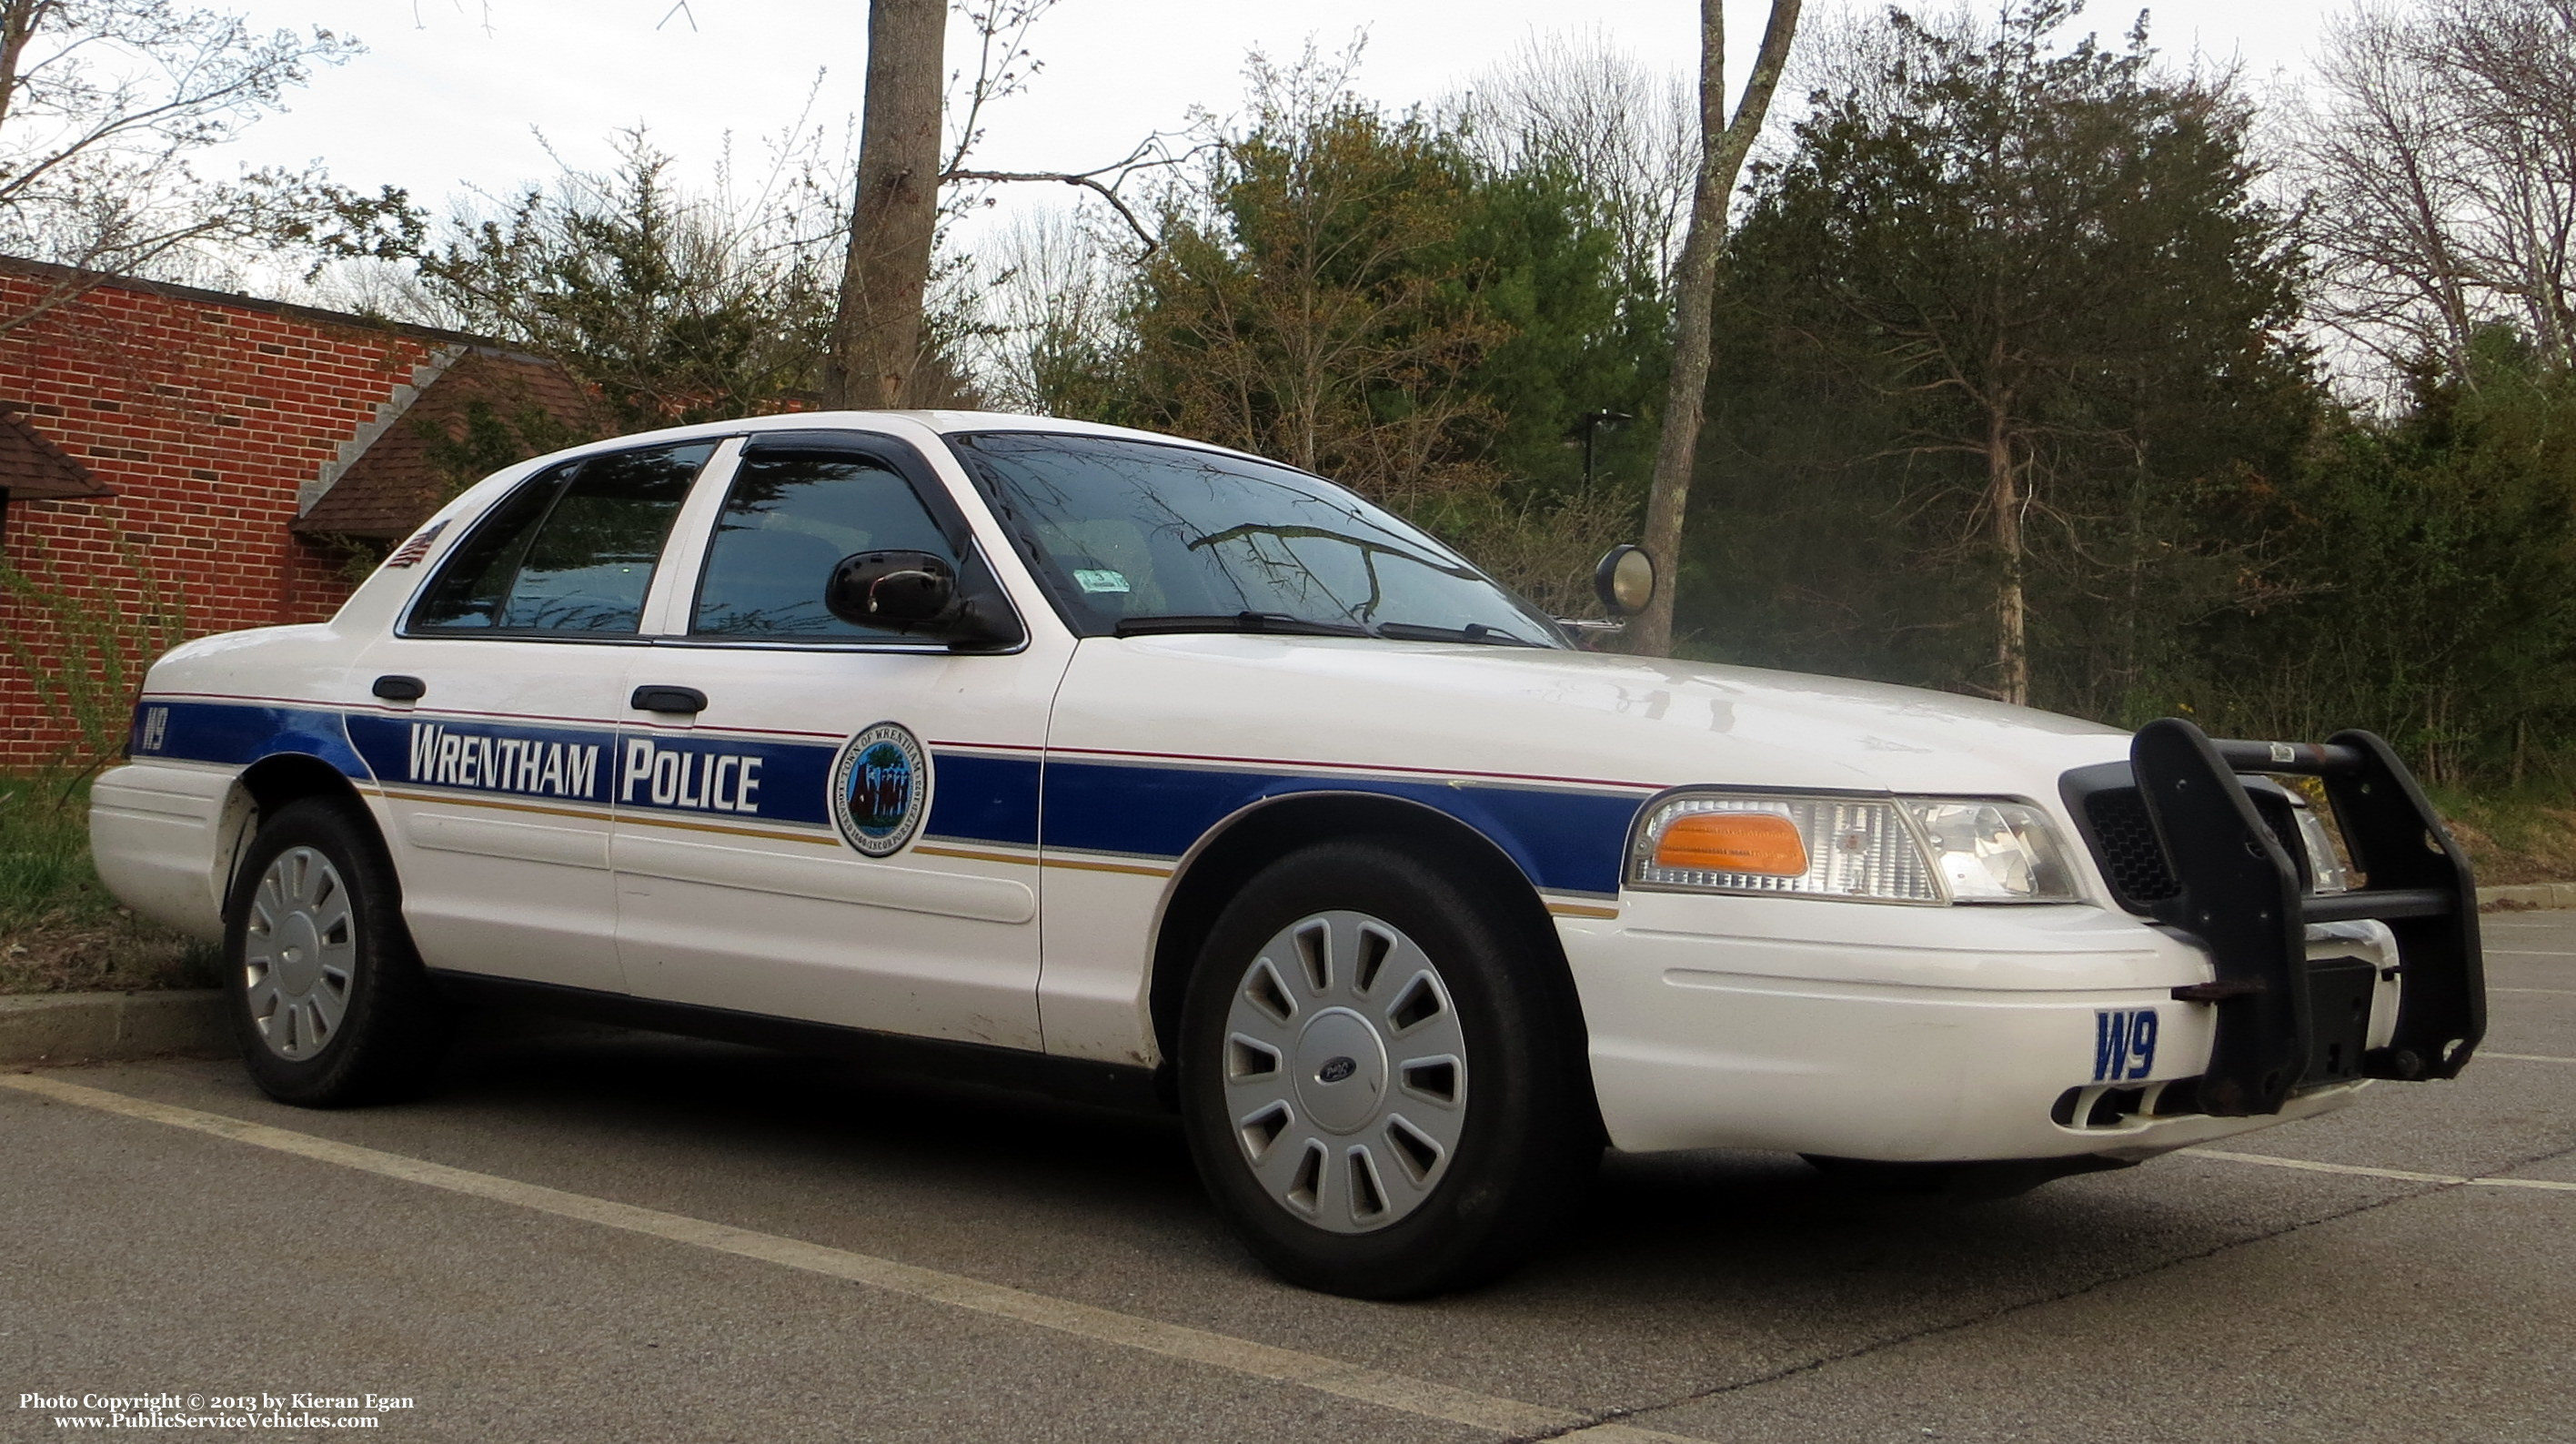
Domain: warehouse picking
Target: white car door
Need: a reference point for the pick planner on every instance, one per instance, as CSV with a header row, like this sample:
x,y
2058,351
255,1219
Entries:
x,y
818,819
493,736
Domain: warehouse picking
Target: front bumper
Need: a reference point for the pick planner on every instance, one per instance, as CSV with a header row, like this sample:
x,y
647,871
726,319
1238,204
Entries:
x,y
1906,1034
1963,1033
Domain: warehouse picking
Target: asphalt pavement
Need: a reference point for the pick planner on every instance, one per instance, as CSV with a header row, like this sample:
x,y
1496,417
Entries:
x,y
625,1237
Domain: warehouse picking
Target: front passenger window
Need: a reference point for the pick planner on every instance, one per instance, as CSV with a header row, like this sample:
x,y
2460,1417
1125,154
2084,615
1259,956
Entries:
x,y
788,522
571,552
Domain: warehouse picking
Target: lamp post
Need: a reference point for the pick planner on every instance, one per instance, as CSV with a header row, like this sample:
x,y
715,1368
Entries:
x,y
1594,421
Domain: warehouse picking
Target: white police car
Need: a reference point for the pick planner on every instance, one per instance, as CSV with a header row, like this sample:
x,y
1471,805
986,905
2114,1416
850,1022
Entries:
x,y
1123,766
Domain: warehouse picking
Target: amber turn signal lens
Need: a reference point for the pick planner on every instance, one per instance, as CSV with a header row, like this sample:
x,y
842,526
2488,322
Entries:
x,y
1756,842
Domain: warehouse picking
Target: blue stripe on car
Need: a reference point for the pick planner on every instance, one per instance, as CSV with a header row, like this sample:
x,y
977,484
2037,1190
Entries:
x,y
1564,840
977,798
241,733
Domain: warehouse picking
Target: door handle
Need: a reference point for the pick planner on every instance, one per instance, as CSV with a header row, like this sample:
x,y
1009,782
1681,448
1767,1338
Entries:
x,y
669,699
396,688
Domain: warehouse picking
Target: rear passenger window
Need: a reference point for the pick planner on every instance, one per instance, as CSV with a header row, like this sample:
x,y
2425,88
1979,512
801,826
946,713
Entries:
x,y
786,525
571,552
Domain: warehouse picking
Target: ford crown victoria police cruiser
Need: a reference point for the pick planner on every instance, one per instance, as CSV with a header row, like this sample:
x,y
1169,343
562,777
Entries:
x,y
1121,765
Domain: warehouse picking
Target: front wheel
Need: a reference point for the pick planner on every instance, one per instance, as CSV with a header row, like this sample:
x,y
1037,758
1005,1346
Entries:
x,y
1380,1080
326,995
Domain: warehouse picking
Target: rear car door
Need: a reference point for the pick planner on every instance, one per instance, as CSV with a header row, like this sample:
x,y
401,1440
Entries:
x,y
820,819
493,735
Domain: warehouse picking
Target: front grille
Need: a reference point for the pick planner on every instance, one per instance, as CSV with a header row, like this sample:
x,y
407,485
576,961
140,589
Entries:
x,y
2124,842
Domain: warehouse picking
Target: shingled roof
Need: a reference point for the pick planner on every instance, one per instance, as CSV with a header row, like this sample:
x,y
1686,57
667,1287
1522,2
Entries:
x,y
394,485
34,469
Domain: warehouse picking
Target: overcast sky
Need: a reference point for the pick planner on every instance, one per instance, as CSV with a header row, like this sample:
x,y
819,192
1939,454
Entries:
x,y
442,100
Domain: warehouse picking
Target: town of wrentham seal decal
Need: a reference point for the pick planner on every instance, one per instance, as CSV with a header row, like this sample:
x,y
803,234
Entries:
x,y
881,789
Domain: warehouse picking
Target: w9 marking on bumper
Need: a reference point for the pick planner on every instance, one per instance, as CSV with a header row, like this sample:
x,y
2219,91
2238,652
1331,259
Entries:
x,y
2124,1044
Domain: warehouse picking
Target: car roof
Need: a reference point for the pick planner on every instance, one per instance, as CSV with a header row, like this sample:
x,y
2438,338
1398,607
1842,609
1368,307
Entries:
x,y
944,422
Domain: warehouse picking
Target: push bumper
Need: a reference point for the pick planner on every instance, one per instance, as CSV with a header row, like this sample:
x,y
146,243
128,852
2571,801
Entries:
x,y
2238,1001
2282,1016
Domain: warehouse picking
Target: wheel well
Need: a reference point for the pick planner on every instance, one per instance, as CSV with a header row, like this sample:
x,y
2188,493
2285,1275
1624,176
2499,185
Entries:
x,y
1269,832
273,782
267,785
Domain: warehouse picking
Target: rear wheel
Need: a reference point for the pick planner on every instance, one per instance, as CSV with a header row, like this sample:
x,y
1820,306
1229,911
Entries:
x,y
327,998
1379,1079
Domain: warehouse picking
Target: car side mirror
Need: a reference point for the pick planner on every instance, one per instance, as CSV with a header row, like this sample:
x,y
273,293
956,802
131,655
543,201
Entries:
x,y
911,592
892,589
1625,580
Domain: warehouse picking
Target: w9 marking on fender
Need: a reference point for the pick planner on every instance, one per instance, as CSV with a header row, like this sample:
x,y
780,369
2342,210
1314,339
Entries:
x,y
2124,1044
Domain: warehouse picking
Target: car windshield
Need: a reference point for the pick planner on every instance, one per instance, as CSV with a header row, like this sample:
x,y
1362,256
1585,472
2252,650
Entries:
x,y
1135,537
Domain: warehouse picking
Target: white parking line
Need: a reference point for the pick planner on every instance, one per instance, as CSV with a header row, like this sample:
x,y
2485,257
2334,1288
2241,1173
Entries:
x,y
2525,1057
2399,1174
1400,1392
2552,992
2524,953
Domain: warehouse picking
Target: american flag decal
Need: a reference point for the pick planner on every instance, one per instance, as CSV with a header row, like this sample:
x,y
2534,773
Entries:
x,y
410,553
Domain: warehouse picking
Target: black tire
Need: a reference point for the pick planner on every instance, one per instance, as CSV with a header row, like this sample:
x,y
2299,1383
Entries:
x,y
1529,1141
391,1027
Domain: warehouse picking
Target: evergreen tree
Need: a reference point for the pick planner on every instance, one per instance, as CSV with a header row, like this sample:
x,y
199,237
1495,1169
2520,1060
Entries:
x,y
2432,594
1359,294
2011,366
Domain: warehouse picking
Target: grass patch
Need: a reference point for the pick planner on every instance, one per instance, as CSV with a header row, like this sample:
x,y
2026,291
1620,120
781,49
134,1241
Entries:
x,y
60,928
2513,838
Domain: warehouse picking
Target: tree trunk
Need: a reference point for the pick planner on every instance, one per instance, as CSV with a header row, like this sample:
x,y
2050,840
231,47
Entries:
x,y
1723,144
19,20
2012,612
877,332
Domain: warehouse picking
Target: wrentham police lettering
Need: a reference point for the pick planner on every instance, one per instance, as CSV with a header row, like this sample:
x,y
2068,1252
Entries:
x,y
502,764
711,781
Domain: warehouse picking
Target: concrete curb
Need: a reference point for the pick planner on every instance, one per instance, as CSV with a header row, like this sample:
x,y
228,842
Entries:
x,y
54,1028
2530,895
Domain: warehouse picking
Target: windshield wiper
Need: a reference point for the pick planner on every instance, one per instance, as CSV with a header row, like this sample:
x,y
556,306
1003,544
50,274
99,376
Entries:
x,y
1472,632
1239,622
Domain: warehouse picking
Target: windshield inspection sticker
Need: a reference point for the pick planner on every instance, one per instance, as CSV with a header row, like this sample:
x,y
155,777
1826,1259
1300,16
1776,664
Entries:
x,y
1101,580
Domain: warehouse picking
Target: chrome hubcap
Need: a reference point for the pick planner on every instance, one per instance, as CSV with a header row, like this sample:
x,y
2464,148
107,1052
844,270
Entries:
x,y
1345,1072
299,953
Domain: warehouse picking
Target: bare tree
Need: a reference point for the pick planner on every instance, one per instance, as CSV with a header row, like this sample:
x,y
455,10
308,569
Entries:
x,y
102,105
878,351
2441,152
1724,140
1051,291
1628,133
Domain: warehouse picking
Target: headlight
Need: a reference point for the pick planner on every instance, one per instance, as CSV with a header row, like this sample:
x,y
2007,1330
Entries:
x,y
1993,851
1908,850
2325,866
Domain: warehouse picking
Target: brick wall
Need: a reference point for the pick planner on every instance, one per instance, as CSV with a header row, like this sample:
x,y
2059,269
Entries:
x,y
205,415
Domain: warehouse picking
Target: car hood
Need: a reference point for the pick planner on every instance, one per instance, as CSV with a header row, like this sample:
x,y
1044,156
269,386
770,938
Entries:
x,y
1552,716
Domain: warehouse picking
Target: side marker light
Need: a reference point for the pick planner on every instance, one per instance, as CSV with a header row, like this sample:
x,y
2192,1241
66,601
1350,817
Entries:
x,y
1762,843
